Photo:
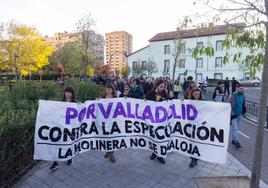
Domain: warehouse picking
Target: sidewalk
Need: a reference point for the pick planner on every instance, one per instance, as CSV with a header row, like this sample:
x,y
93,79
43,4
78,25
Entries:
x,y
133,169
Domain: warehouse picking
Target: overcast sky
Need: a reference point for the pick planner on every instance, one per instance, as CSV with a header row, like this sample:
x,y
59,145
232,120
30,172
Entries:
x,y
141,18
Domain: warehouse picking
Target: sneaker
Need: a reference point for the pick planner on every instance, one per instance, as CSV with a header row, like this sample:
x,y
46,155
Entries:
x,y
238,145
54,166
112,158
161,160
193,163
69,162
107,155
153,156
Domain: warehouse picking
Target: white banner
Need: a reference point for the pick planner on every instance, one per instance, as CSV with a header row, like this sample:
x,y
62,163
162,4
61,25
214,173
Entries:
x,y
196,129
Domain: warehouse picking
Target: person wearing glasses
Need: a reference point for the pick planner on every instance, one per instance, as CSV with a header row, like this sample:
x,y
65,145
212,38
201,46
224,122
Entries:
x,y
126,93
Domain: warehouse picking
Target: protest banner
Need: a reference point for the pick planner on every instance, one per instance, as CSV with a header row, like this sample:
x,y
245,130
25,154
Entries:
x,y
198,129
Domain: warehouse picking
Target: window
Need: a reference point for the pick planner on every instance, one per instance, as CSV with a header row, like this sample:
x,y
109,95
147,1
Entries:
x,y
199,45
218,76
134,65
182,76
166,66
166,49
218,62
199,76
218,45
181,63
199,63
182,49
144,64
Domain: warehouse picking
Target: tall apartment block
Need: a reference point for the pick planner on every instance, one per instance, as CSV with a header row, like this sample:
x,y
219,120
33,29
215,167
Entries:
x,y
117,45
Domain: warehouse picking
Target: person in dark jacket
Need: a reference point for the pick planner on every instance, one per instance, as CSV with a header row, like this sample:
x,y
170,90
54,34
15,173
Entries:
x,y
196,94
227,86
234,83
138,91
126,93
237,100
68,96
148,86
158,94
186,83
110,93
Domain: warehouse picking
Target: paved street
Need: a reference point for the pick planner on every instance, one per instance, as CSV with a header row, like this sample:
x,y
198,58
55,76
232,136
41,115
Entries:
x,y
247,135
252,93
133,169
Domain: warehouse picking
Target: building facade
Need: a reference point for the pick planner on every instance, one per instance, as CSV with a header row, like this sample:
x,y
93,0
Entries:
x,y
96,43
161,50
117,45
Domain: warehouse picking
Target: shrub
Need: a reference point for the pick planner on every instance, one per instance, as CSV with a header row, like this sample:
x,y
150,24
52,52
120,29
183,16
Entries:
x,y
17,120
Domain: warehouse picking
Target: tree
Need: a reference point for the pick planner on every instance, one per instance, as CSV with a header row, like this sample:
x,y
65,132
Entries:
x,y
138,69
22,49
102,70
125,71
70,56
178,45
253,34
84,26
151,67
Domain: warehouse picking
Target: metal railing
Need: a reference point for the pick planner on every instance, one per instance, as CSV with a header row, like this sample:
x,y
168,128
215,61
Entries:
x,y
252,107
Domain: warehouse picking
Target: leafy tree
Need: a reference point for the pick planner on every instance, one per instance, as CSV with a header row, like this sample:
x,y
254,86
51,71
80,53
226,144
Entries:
x,y
125,71
253,35
22,49
70,56
178,44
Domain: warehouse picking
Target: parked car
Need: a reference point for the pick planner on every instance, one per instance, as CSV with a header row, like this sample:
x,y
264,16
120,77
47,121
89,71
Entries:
x,y
250,81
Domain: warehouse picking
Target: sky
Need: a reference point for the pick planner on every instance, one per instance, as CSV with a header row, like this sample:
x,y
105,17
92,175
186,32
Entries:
x,y
141,18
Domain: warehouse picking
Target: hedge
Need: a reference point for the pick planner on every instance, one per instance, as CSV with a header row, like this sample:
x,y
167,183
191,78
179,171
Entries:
x,y
17,120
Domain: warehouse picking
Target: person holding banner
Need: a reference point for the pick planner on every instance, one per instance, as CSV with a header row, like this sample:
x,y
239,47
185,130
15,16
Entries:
x,y
197,94
126,93
158,94
110,92
68,96
188,92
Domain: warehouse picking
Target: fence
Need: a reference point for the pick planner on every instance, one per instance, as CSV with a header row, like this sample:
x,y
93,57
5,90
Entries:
x,y
252,107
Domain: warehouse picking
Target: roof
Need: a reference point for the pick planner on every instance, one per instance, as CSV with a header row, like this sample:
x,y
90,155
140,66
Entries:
x,y
190,33
137,50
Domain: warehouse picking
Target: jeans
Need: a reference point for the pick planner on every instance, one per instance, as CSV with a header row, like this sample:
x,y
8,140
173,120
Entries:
x,y
234,126
176,94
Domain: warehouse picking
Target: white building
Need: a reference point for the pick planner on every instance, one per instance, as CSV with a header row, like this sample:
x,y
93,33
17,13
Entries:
x,y
161,50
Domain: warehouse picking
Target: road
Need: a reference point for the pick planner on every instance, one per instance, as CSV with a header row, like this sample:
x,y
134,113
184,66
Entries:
x,y
252,93
247,136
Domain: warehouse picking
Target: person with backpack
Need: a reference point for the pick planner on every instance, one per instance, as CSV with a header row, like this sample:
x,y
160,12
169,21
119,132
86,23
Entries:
x,y
237,101
218,92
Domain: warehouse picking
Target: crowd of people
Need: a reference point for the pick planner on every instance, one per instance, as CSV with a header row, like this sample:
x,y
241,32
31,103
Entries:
x,y
161,89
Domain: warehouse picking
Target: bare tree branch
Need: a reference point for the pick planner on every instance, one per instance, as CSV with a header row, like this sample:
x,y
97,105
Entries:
x,y
235,9
236,2
234,18
246,26
255,7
